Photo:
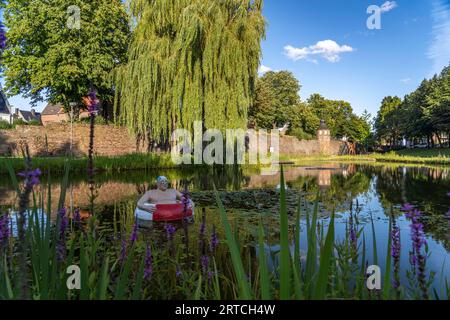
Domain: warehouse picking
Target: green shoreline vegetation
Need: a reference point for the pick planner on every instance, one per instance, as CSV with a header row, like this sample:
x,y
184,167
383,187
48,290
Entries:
x,y
147,162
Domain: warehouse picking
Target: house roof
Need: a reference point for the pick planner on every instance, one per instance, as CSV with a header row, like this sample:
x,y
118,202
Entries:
x,y
28,115
4,105
52,109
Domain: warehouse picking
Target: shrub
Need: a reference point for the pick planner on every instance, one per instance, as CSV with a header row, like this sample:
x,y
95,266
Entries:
x,y
19,122
5,125
34,123
98,120
300,134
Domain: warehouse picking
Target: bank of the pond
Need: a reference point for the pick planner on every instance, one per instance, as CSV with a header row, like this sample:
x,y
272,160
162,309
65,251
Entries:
x,y
146,162
106,164
421,157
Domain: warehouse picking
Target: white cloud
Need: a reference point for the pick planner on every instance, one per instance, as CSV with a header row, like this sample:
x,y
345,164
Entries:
x,y
439,50
264,69
406,80
328,49
388,6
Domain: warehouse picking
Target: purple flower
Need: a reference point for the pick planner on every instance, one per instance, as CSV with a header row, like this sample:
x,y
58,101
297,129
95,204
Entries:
x,y
63,222
204,261
92,102
203,228
2,37
148,271
134,234
396,246
170,231
31,177
61,245
178,274
211,275
214,242
4,229
416,257
76,215
396,251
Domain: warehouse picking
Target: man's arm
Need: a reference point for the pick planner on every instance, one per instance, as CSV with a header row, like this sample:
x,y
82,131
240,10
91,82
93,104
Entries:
x,y
144,199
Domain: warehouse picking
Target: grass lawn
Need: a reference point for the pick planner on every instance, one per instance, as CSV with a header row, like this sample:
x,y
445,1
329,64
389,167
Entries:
x,y
414,156
425,153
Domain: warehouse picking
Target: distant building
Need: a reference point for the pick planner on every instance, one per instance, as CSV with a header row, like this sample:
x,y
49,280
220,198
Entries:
x,y
26,116
56,113
5,109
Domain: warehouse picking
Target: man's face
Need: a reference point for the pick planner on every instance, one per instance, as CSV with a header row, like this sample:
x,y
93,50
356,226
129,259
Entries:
x,y
162,185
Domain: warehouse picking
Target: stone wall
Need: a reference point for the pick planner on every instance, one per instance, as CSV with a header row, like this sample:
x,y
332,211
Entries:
x,y
292,146
54,140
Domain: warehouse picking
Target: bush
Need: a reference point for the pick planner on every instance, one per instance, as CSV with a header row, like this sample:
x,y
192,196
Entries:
x,y
300,134
98,120
5,125
34,123
19,122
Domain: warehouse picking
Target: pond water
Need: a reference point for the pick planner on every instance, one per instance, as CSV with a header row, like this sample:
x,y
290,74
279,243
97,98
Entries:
x,y
367,191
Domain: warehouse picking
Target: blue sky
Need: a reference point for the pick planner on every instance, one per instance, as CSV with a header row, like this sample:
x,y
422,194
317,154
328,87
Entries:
x,y
332,52
327,45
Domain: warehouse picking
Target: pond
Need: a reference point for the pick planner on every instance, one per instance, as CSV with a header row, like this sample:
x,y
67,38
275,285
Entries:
x,y
367,192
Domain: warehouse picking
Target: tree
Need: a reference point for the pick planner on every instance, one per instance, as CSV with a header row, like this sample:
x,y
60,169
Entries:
x,y
45,58
262,111
438,102
190,60
277,96
388,121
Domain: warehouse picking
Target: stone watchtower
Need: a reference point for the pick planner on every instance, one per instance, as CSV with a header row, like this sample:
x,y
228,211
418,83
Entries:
x,y
324,138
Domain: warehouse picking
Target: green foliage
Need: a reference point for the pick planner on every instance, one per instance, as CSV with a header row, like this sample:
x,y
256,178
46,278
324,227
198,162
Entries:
x,y
99,120
44,58
340,118
423,114
19,122
276,101
34,122
5,125
190,60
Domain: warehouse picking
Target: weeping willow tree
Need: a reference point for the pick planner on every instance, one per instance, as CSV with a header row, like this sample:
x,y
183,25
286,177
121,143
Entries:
x,y
189,60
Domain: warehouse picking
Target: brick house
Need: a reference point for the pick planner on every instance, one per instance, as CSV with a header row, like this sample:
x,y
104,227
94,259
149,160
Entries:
x,y
56,113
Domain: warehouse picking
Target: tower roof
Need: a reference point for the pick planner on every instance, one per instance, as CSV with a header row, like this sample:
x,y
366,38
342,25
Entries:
x,y
323,125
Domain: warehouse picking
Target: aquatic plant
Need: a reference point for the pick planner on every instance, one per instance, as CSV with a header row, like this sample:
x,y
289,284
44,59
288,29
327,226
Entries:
x,y
396,252
417,256
134,234
148,263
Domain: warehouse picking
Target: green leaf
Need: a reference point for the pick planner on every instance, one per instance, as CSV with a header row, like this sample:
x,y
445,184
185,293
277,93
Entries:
x,y
325,263
238,266
285,260
263,270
